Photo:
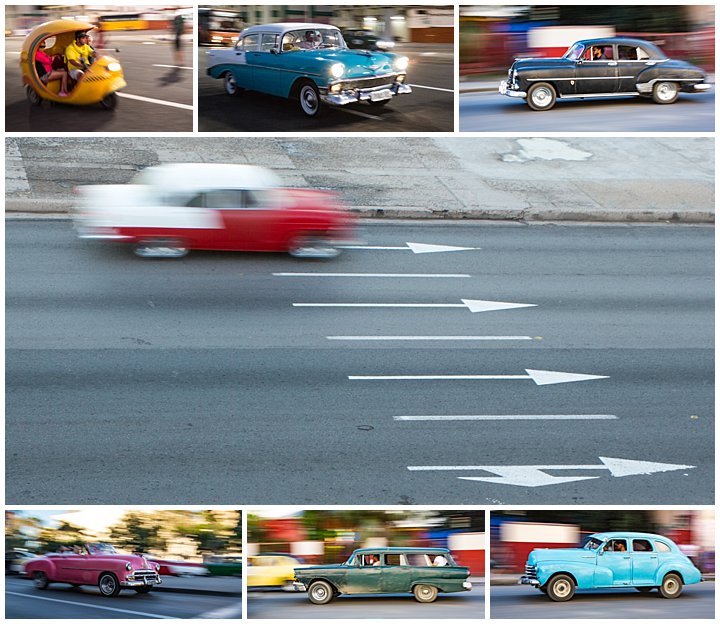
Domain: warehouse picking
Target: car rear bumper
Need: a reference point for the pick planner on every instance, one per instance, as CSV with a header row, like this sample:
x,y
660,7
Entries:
x,y
467,585
506,88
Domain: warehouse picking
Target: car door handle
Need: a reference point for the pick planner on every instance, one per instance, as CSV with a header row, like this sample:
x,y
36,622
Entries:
x,y
628,557
612,64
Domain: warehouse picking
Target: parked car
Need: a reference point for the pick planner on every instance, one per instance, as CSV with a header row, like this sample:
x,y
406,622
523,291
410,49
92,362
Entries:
x,y
644,561
310,63
15,561
169,209
424,572
95,564
609,67
272,570
361,39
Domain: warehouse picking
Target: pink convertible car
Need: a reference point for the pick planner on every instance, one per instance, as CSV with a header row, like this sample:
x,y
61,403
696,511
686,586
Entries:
x,y
95,564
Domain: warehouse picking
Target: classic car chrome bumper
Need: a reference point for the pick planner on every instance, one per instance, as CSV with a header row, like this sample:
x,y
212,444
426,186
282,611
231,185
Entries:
x,y
142,580
467,585
374,94
702,87
510,90
526,580
298,586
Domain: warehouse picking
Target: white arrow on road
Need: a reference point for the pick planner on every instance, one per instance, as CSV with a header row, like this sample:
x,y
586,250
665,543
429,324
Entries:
x,y
534,476
540,377
474,305
417,248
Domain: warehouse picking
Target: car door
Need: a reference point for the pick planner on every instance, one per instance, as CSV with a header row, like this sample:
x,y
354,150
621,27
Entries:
x,y
631,61
616,558
644,562
365,578
596,75
267,63
397,575
242,70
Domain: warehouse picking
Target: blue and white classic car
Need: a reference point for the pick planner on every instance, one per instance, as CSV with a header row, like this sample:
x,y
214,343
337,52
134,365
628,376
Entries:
x,y
644,561
308,62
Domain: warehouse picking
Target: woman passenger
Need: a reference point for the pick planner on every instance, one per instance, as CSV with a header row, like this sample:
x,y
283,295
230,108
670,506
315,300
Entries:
x,y
43,65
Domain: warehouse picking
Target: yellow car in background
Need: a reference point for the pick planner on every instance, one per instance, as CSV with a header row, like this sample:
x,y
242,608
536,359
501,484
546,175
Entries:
x,y
272,570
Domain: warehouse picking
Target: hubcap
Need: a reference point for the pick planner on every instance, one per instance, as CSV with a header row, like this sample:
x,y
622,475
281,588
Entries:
x,y
562,589
39,581
319,592
425,592
666,91
309,99
107,585
671,586
541,97
230,84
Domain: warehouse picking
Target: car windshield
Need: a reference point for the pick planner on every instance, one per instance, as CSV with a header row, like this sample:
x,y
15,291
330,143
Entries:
x,y
574,52
99,548
312,39
350,561
593,543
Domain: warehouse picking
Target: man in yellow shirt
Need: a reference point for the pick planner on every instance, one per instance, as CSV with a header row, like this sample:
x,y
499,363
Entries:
x,y
78,55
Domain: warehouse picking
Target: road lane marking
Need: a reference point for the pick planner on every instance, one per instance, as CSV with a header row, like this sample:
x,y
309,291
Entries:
x,y
173,66
534,476
416,248
223,613
474,305
510,417
429,337
92,606
540,377
415,86
154,101
449,275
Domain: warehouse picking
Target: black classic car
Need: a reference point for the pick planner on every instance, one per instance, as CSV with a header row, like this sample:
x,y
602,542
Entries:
x,y
361,39
610,67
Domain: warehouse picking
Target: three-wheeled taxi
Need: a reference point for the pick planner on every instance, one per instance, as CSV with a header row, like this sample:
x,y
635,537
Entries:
x,y
99,83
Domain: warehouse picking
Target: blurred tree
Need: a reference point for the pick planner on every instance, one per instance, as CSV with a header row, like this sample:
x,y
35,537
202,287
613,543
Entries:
x,y
138,532
66,534
19,529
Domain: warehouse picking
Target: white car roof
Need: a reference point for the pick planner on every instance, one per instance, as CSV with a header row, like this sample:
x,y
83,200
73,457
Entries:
x,y
284,27
193,176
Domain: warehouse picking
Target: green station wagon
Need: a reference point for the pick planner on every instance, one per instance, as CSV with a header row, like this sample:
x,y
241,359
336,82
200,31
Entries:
x,y
424,572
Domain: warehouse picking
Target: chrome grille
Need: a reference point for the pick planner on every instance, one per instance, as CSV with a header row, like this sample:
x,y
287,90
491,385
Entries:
x,y
141,574
367,83
530,571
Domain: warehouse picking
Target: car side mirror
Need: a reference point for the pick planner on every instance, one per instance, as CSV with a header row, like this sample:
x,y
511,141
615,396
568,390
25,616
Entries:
x,y
274,51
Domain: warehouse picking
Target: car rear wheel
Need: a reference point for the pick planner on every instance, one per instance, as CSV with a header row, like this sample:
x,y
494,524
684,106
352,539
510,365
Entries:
x,y
541,96
320,593
310,99
230,85
160,248
561,588
33,96
108,585
40,580
309,246
425,593
665,92
671,586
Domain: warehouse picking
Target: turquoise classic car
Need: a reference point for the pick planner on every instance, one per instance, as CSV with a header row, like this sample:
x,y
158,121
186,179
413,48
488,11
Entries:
x,y
423,572
310,63
644,561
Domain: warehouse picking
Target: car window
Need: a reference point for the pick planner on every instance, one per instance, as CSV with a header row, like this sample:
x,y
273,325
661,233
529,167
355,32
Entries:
x,y
627,53
662,547
393,559
615,545
418,559
641,545
268,42
224,199
250,42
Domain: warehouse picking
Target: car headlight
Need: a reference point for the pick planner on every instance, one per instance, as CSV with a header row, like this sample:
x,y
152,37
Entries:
x,y
128,566
337,70
113,67
157,567
401,63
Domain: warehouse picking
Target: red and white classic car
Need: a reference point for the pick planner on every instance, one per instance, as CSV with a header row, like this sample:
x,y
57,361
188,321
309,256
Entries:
x,y
95,564
170,209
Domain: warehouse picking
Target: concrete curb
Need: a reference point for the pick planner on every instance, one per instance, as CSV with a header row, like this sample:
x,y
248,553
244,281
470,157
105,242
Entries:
x,y
28,207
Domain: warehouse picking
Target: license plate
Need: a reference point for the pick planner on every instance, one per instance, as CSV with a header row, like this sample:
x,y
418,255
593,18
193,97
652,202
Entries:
x,y
376,96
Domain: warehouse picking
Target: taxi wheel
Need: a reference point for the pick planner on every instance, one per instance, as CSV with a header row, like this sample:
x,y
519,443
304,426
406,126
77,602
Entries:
x,y
40,580
110,101
33,96
541,96
231,87
671,586
320,593
308,246
425,593
665,92
160,249
108,585
561,588
310,99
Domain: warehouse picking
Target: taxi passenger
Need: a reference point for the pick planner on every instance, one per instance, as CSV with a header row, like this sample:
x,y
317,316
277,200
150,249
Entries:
x,y
79,55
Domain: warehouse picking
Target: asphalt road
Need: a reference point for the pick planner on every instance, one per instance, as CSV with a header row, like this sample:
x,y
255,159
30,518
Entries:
x,y
488,111
429,108
287,606
198,381
61,601
151,73
523,602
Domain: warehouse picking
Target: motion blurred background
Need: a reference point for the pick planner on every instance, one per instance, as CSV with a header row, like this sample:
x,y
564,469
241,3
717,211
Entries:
x,y
491,37
320,537
513,534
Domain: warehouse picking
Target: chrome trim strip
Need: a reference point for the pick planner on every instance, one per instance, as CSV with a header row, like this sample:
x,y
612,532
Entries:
x,y
581,96
580,78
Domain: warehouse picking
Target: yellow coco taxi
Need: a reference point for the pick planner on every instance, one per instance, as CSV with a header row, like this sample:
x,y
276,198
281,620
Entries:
x,y
101,78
